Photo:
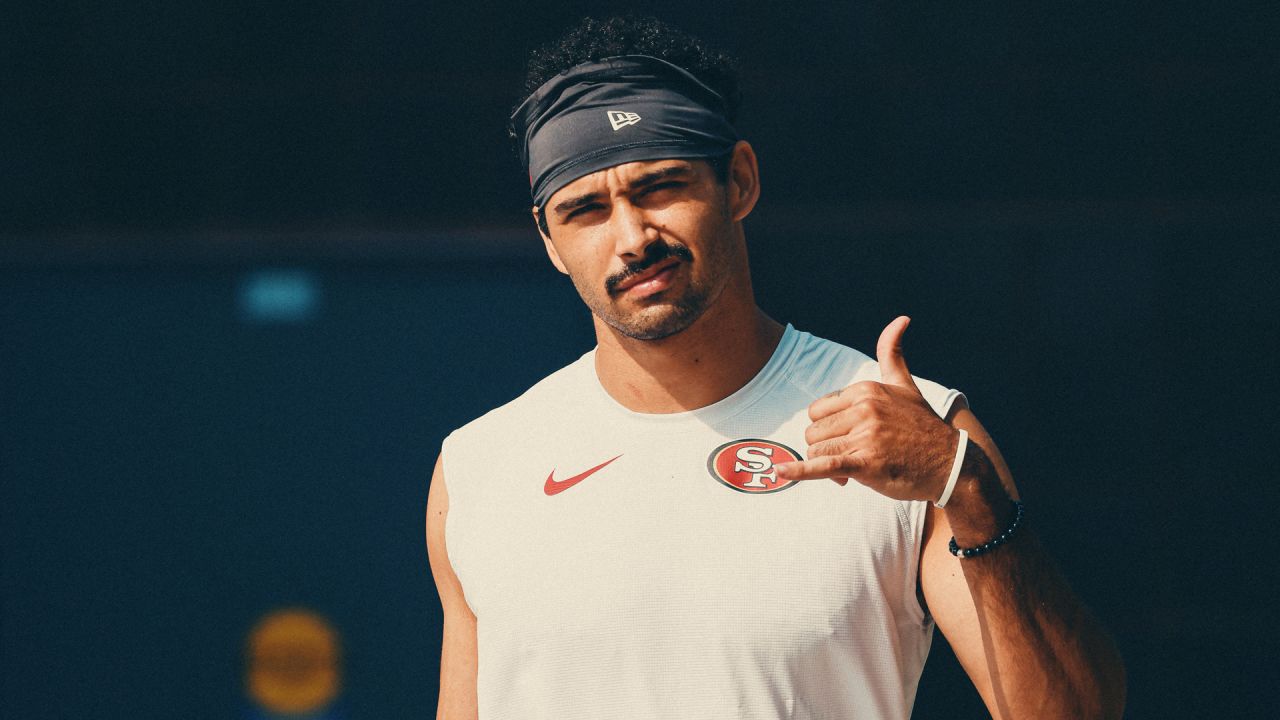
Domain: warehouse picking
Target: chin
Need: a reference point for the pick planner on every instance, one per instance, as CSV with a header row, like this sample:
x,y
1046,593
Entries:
x,y
656,323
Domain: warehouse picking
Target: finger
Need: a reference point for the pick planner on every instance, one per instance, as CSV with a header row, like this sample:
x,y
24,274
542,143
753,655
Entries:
x,y
893,366
833,425
840,445
840,399
827,466
829,403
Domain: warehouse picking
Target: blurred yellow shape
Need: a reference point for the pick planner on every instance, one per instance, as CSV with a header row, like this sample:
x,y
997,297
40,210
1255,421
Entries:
x,y
293,662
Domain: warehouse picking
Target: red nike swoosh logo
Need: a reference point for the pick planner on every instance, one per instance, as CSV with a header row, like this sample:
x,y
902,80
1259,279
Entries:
x,y
552,487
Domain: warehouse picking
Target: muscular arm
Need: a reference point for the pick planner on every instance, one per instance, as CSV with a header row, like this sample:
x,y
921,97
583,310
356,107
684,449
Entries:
x,y
458,649
1030,646
1027,642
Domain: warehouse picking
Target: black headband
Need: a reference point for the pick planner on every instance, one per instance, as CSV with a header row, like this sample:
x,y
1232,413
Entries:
x,y
620,109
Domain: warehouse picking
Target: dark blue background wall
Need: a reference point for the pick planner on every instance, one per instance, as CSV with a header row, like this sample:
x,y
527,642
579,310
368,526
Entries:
x,y
255,262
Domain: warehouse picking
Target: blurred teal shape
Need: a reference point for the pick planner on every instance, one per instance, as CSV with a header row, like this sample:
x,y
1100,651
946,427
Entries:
x,y
279,296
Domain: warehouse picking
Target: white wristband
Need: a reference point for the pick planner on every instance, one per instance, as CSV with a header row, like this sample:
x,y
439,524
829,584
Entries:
x,y
955,469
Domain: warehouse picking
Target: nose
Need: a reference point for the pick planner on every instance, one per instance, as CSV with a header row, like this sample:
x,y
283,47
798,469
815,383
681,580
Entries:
x,y
631,230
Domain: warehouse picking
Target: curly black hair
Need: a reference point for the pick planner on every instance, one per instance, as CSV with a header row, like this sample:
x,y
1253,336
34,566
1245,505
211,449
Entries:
x,y
594,39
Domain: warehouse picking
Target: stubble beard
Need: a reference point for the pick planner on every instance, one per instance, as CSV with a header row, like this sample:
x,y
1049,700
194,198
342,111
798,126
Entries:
x,y
666,316
661,320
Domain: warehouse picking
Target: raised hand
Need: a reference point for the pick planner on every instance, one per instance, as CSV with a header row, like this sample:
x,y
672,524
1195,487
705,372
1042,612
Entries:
x,y
882,434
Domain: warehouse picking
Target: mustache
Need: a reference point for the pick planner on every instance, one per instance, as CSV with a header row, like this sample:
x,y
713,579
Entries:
x,y
654,254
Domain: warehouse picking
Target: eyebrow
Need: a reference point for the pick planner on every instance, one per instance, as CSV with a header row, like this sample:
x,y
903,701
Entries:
x,y
644,180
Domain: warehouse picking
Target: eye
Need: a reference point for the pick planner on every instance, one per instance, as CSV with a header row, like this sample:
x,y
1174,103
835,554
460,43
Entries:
x,y
661,186
582,209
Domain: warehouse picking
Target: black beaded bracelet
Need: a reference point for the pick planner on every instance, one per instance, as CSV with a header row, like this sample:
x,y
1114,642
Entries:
x,y
991,544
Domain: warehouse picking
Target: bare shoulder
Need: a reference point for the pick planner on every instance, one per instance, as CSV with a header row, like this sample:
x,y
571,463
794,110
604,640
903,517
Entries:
x,y
458,649
446,579
437,512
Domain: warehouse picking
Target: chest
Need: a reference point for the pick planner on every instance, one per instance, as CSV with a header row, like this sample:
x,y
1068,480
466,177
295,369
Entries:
x,y
685,535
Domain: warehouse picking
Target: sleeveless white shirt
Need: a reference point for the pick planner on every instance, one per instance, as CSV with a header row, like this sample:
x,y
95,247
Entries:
x,y
628,565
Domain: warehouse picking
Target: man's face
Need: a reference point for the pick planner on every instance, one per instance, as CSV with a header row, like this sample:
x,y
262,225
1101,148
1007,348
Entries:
x,y
649,245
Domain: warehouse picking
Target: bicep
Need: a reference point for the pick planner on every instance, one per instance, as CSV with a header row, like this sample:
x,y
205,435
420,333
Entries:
x,y
458,646
942,582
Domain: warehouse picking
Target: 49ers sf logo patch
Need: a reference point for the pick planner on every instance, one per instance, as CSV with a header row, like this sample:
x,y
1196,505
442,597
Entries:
x,y
747,465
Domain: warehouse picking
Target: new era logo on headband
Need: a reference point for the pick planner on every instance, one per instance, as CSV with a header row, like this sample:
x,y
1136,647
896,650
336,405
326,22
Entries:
x,y
619,119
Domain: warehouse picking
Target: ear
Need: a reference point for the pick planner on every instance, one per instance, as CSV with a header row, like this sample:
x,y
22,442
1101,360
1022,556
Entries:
x,y
744,181
546,242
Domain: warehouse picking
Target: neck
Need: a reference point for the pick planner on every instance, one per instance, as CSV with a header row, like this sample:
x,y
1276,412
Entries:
x,y
704,363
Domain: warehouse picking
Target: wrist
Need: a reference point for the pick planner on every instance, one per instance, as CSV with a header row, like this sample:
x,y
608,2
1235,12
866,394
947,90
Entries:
x,y
956,465
979,507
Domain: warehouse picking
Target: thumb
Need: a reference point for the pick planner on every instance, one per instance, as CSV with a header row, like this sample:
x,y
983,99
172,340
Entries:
x,y
893,367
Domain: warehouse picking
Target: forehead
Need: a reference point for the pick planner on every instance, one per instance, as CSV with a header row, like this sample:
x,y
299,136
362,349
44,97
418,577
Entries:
x,y
620,177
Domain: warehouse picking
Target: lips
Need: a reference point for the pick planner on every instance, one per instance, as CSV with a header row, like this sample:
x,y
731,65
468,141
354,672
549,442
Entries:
x,y
652,272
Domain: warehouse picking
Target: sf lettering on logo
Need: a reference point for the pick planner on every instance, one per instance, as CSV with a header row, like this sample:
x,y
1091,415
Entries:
x,y
757,461
748,465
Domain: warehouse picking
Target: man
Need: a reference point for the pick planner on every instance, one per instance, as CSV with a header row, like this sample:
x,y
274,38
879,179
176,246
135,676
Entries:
x,y
688,554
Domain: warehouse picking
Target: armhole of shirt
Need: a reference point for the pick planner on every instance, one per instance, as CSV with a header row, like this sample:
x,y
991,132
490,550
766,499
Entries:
x,y
453,519
912,516
939,396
